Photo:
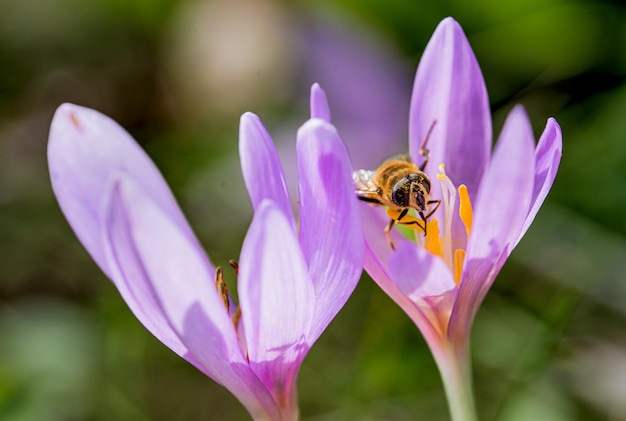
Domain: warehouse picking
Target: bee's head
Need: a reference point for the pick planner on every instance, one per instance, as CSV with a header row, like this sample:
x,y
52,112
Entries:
x,y
411,191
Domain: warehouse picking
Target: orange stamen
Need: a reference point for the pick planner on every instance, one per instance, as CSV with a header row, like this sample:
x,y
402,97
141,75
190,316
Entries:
x,y
465,209
432,242
459,260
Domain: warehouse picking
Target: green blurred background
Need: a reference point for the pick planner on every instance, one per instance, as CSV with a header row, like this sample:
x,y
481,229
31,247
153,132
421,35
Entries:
x,y
549,342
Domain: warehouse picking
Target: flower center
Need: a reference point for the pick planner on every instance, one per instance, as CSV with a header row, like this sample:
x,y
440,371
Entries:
x,y
443,242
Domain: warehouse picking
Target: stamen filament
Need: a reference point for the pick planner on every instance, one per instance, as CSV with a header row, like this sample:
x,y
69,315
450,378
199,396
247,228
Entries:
x,y
448,193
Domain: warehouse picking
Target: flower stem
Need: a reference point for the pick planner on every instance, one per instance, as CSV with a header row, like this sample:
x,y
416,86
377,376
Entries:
x,y
456,373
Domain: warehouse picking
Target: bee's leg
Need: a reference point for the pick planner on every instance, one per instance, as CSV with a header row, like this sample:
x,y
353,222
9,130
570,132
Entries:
x,y
396,216
414,222
403,213
430,202
402,217
387,230
369,199
422,150
425,223
425,217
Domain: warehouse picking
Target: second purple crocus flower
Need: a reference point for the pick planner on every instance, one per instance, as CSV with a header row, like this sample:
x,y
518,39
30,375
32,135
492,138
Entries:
x,y
290,284
488,201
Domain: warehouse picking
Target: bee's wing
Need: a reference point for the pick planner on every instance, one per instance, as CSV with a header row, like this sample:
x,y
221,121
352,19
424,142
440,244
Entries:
x,y
364,182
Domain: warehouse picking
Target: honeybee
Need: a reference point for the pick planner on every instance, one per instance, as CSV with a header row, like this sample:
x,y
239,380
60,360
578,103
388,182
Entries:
x,y
400,185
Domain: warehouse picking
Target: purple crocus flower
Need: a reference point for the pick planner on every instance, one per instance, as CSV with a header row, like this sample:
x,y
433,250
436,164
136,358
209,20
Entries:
x,y
290,286
488,202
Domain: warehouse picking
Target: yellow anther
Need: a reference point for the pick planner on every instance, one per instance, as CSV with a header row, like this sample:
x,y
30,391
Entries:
x,y
432,242
220,284
459,260
233,264
237,316
465,209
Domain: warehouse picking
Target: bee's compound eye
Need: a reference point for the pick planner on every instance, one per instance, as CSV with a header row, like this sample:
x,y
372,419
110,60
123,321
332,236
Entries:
x,y
411,192
400,193
420,180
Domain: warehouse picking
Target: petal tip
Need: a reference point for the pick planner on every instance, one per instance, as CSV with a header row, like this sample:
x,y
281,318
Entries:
x,y
251,128
449,21
65,108
554,125
319,103
551,140
450,24
518,116
248,117
68,114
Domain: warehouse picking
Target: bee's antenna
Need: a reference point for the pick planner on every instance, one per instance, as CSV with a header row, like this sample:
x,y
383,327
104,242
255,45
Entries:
x,y
423,151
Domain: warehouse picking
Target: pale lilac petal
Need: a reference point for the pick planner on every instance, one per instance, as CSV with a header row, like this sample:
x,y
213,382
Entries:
x,y
500,210
499,213
130,276
276,297
547,156
476,273
418,273
260,165
377,255
374,220
449,89
85,147
379,274
319,103
330,227
182,280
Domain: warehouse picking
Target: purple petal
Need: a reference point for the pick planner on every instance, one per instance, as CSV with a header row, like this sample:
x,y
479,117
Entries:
x,y
547,156
330,227
276,297
182,280
130,275
319,104
260,165
449,89
379,274
419,274
377,255
499,213
85,147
